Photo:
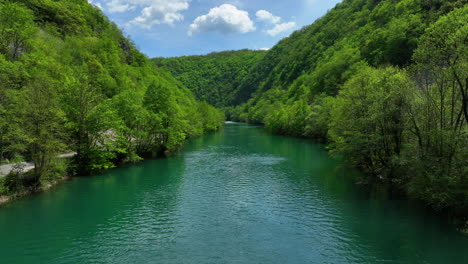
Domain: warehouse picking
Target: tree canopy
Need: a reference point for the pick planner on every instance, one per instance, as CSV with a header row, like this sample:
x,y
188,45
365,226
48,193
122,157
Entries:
x,y
215,77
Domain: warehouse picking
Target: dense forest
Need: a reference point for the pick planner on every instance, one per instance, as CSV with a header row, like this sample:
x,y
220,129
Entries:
x,y
215,77
71,82
384,83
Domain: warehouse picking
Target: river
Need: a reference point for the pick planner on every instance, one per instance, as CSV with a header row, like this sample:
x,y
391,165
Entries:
x,y
236,196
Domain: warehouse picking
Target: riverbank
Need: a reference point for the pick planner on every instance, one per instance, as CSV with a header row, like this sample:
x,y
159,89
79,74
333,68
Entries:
x,y
35,190
26,168
5,199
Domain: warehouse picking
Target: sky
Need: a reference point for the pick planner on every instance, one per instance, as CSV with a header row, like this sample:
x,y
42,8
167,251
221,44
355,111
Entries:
x,y
170,28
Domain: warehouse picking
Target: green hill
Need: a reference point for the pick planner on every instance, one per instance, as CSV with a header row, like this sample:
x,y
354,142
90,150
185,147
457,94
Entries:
x,y
321,57
214,77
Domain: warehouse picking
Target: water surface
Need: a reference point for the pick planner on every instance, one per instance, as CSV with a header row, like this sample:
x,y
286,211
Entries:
x,y
236,196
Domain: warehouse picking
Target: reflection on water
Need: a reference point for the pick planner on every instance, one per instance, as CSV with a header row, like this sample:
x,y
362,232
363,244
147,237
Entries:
x,y
236,196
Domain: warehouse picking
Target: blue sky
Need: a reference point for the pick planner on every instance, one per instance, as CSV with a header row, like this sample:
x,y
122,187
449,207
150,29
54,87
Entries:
x,y
168,28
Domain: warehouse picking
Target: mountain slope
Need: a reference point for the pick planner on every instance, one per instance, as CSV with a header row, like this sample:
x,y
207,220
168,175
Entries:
x,y
323,54
214,77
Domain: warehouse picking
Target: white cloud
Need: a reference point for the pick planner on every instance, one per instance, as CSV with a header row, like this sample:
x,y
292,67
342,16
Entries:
x,y
266,16
279,28
152,12
119,6
161,14
224,19
264,49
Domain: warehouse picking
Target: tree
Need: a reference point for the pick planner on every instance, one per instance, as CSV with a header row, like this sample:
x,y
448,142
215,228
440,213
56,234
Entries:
x,y
143,127
16,29
13,139
439,114
443,56
368,120
318,118
160,100
93,123
43,121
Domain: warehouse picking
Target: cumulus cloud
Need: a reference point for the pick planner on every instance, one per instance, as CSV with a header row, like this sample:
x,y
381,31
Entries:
x,y
225,19
160,14
266,16
152,12
279,28
119,6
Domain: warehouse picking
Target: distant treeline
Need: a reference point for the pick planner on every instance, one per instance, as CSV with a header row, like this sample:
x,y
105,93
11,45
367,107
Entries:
x,y
215,77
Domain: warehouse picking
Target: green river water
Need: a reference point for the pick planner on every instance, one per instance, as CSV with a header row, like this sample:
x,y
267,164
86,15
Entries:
x,y
236,196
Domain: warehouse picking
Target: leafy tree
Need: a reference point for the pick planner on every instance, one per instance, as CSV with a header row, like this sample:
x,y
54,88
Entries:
x,y
43,120
368,120
443,56
210,116
16,29
142,126
439,115
277,120
318,118
13,139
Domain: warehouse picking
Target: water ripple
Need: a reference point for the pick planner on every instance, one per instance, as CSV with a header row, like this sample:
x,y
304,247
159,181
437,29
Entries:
x,y
239,196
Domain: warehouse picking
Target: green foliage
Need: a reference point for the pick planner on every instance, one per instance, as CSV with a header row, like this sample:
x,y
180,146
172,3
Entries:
x,y
43,121
318,118
13,182
3,187
214,77
16,30
13,139
70,82
440,116
59,170
368,120
212,118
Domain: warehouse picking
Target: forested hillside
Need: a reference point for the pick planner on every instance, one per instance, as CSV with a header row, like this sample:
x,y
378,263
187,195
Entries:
x,y
385,83
324,55
70,82
215,77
